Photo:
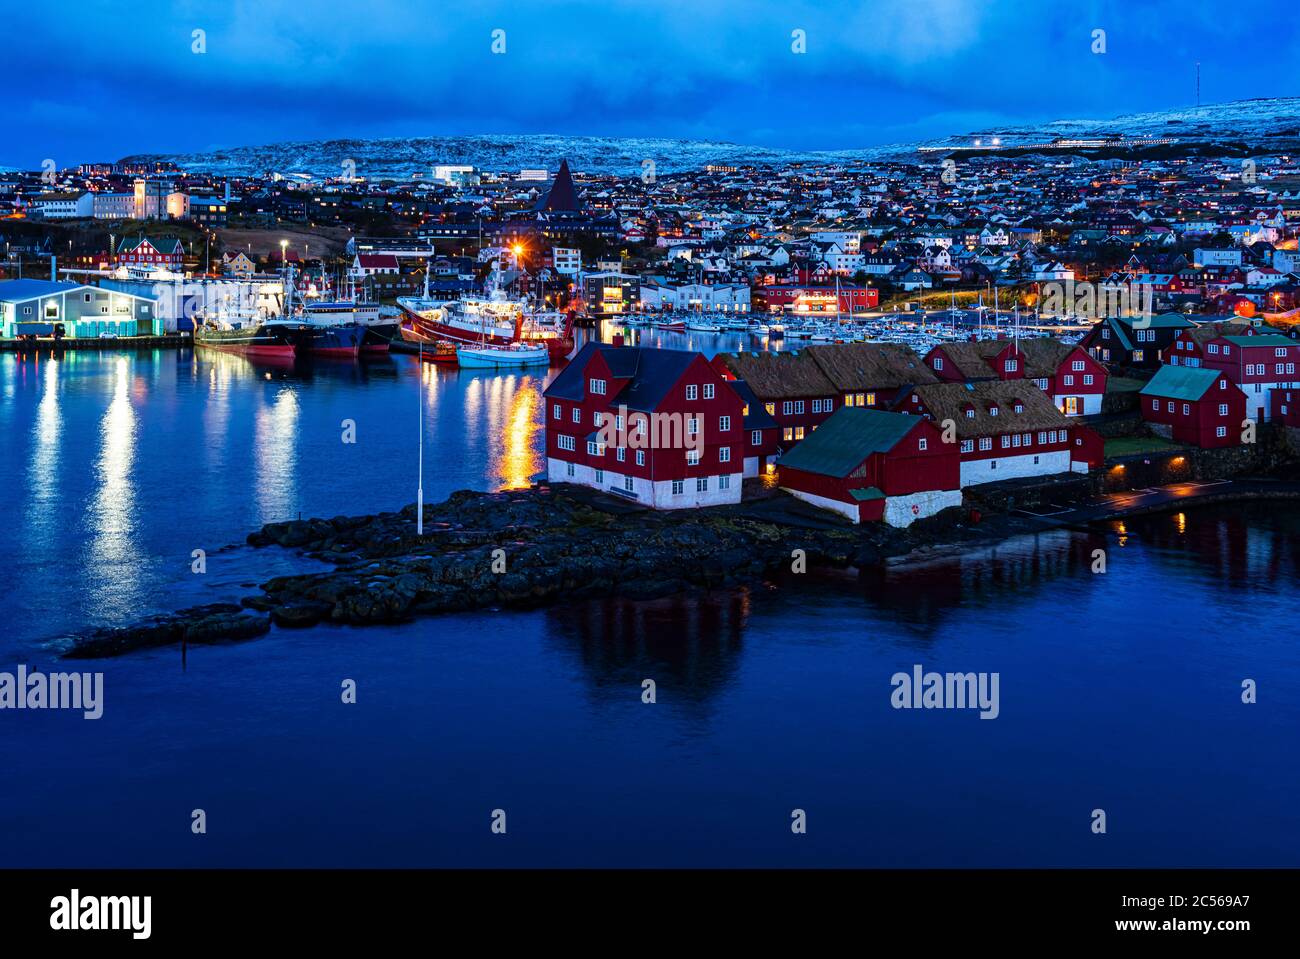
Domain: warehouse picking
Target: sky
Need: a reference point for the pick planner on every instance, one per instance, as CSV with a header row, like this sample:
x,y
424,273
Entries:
x,y
96,80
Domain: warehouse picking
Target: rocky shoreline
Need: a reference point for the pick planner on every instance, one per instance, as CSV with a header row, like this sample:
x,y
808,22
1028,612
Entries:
x,y
527,548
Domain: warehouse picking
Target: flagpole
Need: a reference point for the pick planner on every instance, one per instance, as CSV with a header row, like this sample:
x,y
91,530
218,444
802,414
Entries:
x,y
419,489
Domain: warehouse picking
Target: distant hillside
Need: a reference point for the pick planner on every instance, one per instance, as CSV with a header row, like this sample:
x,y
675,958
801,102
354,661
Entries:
x,y
1239,128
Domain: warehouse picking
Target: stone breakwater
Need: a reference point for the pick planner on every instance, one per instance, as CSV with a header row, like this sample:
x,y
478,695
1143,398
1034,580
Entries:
x,y
528,548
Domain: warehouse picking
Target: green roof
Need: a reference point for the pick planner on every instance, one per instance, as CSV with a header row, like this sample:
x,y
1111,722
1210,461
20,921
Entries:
x,y
848,437
1262,339
866,494
1181,382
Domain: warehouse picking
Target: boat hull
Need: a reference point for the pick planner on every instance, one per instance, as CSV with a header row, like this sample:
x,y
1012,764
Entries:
x,y
471,358
342,340
416,327
256,341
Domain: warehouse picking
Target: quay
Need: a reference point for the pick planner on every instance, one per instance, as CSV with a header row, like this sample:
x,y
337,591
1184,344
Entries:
x,y
167,341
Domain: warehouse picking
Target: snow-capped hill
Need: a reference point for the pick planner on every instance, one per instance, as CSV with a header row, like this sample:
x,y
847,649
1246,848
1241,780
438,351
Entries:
x,y
1266,125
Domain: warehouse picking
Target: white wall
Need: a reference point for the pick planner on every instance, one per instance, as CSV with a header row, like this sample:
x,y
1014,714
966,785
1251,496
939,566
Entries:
x,y
974,472
656,494
898,509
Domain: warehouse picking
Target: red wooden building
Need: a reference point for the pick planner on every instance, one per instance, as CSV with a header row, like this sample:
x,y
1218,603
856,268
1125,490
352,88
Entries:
x,y
1007,429
1259,361
659,426
1199,406
163,252
800,389
1075,380
873,465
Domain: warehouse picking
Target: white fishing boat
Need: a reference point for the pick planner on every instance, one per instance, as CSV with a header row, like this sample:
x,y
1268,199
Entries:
x,y
703,325
487,356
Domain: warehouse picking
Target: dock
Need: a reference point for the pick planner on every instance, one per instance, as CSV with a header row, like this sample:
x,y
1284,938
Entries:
x,y
169,341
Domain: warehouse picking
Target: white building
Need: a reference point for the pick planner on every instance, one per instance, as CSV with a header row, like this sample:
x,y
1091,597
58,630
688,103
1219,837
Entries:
x,y
113,206
719,297
64,206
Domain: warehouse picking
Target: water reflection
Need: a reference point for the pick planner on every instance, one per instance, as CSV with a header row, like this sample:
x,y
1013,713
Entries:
x,y
275,455
690,645
113,554
43,471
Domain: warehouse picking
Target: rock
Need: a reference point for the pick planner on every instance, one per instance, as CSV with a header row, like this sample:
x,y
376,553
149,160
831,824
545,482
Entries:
x,y
299,615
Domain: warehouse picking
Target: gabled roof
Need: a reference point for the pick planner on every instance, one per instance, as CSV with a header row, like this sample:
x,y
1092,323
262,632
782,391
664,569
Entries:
x,y
650,374
792,373
849,436
1181,382
871,366
949,401
562,197
20,291
1261,339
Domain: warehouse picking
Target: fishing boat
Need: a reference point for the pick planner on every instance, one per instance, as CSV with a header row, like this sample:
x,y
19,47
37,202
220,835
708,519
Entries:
x,y
250,333
495,319
489,356
671,326
702,325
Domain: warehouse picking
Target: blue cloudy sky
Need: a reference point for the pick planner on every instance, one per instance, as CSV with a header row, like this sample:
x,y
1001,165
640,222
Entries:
x,y
117,78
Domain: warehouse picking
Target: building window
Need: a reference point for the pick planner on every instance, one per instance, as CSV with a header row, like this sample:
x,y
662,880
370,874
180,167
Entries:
x,y
724,424
620,454
921,443
595,449
798,407
1223,409
597,419
1068,379
577,415
787,434
629,484
771,408
600,476
968,446
938,362
724,482
986,442
756,438
798,432
692,457
693,426
1077,365
1221,431
1087,379
724,454
564,442
1186,409
701,484
787,408
678,487
1010,366
1155,405
708,391
640,457
1170,406
692,392
597,387
1006,442
555,411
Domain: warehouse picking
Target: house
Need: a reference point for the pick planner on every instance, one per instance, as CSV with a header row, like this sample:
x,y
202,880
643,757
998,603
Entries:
x,y
164,252
762,435
874,465
1202,407
48,307
374,264
1135,341
1256,362
64,206
802,388
1074,380
1005,429
661,427
238,264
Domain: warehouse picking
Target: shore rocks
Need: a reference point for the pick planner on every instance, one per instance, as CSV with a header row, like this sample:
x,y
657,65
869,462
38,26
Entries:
x,y
199,625
520,549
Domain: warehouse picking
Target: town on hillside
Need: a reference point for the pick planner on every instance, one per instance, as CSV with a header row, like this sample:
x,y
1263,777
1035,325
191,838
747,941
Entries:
x,y
915,330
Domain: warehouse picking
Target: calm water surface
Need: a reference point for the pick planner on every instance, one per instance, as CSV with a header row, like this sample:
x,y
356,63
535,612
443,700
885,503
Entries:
x,y
1119,691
